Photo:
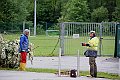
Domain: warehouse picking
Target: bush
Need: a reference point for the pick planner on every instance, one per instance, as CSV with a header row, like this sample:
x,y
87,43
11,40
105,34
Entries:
x,y
100,14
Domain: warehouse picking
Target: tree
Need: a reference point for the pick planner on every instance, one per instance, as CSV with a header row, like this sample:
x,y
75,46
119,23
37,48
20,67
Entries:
x,y
13,10
93,4
116,14
110,5
48,10
100,14
75,10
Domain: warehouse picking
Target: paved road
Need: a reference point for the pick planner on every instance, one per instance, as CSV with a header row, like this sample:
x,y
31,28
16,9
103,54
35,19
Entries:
x,y
20,75
104,64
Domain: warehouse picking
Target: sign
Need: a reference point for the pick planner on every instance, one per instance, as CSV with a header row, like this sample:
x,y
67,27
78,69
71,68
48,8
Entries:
x,y
75,36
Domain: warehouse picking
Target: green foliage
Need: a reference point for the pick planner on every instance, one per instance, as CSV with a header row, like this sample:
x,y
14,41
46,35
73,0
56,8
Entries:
x,y
54,11
13,13
13,10
40,30
109,4
116,13
15,27
28,24
100,14
54,27
118,3
75,10
93,4
48,10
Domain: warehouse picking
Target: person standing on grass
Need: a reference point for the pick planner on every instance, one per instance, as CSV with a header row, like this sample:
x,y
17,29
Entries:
x,y
92,47
24,43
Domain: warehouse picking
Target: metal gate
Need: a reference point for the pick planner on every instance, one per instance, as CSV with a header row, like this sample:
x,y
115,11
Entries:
x,y
74,33
108,38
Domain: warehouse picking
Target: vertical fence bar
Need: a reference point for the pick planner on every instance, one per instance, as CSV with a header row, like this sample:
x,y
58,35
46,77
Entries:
x,y
66,36
92,26
84,33
89,24
100,46
108,31
73,29
59,63
82,27
78,63
62,38
119,66
88,29
67,41
69,38
97,26
70,35
46,29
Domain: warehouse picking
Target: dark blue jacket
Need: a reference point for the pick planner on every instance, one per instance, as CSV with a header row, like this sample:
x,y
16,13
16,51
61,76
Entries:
x,y
24,42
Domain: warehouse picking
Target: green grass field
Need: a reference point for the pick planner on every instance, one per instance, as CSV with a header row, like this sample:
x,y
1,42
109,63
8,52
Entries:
x,y
47,44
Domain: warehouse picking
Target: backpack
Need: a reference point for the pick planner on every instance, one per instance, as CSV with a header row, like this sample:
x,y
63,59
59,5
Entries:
x,y
73,73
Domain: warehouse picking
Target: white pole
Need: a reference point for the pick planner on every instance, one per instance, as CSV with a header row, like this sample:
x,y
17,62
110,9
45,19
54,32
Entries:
x,y
78,63
59,63
119,66
34,17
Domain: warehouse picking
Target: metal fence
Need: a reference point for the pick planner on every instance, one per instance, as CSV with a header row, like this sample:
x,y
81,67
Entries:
x,y
48,45
72,34
77,32
108,32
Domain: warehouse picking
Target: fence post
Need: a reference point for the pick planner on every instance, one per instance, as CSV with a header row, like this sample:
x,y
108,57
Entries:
x,y
100,47
46,29
78,63
59,63
62,31
119,67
